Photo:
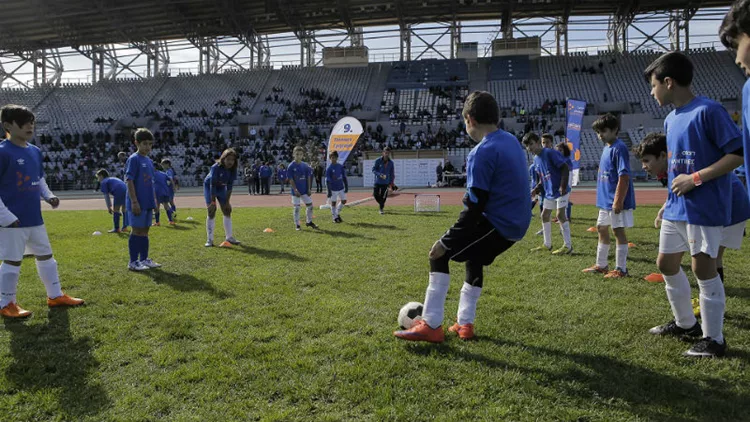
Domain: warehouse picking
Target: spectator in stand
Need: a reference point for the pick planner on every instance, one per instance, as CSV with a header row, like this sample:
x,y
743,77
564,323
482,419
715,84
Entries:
x,y
265,178
318,171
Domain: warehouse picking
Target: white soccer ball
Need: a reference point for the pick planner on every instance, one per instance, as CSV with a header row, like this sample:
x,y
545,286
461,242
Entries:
x,y
97,233
410,314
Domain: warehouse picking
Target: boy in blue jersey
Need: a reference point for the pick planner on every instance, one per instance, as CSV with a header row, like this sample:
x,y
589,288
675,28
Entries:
x,y
218,186
564,149
385,176
174,184
497,214
281,175
140,201
554,171
117,188
338,186
22,229
300,179
615,198
735,35
703,146
162,188
548,142
536,198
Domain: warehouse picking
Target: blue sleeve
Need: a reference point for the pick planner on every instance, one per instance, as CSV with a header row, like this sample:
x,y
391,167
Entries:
x,y
232,176
105,187
131,169
556,159
481,174
392,171
107,201
623,161
211,176
722,131
41,164
3,164
328,175
376,167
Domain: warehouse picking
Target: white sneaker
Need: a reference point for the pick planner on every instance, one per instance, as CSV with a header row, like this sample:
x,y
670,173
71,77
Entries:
x,y
209,244
137,266
233,241
149,263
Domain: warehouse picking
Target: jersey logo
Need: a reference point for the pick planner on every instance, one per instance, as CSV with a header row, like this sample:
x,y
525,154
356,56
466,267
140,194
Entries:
x,y
20,161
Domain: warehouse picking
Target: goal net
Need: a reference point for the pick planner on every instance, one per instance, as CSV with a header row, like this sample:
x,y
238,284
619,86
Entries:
x,y
426,203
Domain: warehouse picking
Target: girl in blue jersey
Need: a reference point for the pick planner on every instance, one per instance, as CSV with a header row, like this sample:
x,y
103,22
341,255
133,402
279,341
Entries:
x,y
300,179
174,184
22,229
703,147
118,189
217,186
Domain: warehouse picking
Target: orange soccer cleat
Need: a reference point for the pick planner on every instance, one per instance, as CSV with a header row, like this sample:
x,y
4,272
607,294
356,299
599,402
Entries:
x,y
654,278
12,310
225,244
596,269
64,300
422,332
616,273
465,332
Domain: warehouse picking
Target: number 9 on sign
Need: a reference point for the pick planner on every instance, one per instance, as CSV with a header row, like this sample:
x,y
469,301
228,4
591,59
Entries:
x,y
347,128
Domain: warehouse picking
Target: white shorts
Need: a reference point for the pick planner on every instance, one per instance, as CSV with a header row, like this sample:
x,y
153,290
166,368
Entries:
x,y
557,203
576,175
731,236
622,220
20,241
338,195
305,198
679,236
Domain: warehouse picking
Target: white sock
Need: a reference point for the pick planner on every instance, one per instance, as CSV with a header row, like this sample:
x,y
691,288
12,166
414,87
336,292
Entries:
x,y
47,271
339,208
309,213
434,299
565,230
210,224
713,303
8,283
678,294
467,304
547,228
334,214
602,255
621,257
296,215
227,226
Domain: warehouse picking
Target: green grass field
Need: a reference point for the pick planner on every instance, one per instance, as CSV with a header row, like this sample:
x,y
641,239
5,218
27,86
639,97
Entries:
x,y
297,326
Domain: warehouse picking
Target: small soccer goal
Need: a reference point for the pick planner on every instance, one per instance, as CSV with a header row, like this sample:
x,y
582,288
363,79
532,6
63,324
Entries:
x,y
426,203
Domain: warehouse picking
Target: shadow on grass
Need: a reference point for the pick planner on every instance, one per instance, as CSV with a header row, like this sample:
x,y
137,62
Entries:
x,y
343,235
184,282
268,253
616,383
47,357
741,292
376,226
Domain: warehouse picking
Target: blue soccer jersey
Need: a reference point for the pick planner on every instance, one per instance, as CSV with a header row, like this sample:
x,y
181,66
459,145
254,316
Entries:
x,y
115,187
615,162
281,174
550,163
20,172
698,135
740,201
172,176
382,168
161,185
140,169
497,165
335,177
299,174
219,180
746,130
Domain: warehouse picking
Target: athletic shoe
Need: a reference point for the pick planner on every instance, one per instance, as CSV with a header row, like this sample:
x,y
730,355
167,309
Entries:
x,y
172,223
298,228
541,249
124,230
382,212
422,332
672,329
12,310
696,307
209,244
113,231
335,220
339,220
149,263
596,269
233,241
563,251
707,348
64,300
465,332
225,244
617,273
311,225
540,232
592,230
156,224
137,266
654,278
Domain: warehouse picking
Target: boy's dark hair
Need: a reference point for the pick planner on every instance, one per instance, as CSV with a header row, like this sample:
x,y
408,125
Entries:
x,y
334,154
298,147
482,106
563,148
653,144
387,148
735,23
143,134
103,173
17,114
674,65
227,152
158,167
607,121
529,138
546,136
167,162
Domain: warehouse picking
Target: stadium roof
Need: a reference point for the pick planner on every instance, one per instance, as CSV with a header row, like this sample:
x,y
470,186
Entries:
x,y
37,24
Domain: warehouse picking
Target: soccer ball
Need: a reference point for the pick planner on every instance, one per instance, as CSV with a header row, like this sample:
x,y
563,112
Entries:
x,y
409,315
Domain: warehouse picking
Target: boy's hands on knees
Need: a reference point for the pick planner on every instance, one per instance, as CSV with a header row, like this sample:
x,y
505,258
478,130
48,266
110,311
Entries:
x,y
437,250
212,208
54,202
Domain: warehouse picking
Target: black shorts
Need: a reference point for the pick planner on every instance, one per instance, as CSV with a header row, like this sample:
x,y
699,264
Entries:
x,y
479,243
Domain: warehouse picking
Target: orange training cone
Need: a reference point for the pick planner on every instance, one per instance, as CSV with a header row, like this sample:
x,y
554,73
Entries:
x,y
268,230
